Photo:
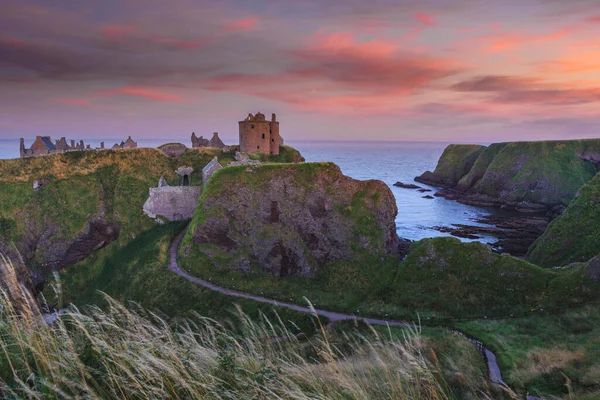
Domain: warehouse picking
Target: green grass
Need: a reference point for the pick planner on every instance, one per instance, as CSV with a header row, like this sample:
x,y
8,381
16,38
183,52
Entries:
x,y
138,272
545,172
455,162
112,185
575,235
544,352
441,279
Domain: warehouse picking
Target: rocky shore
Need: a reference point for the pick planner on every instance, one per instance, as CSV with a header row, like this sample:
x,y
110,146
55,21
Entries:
x,y
515,234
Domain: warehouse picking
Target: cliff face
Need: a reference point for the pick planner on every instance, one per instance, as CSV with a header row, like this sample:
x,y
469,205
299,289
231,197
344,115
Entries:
x,y
526,176
289,220
575,235
456,161
88,200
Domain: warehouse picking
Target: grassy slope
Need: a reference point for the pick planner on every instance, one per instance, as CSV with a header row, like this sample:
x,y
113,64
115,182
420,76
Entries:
x,y
138,272
575,235
81,185
483,161
548,172
545,351
455,162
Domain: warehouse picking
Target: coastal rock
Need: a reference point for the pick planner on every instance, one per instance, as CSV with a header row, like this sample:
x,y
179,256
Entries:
x,y
530,177
407,185
455,162
574,235
290,220
428,197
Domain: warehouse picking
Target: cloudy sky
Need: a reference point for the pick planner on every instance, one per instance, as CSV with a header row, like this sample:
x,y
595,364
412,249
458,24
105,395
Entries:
x,y
460,70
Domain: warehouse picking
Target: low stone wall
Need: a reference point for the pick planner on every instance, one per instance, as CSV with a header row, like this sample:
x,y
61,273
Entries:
x,y
174,203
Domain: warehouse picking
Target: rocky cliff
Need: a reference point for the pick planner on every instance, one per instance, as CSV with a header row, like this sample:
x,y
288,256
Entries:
x,y
84,201
456,161
524,176
575,235
290,220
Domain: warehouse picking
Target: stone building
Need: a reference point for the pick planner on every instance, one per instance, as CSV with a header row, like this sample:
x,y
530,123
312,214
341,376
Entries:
x,y
174,203
212,167
257,135
43,146
215,142
199,141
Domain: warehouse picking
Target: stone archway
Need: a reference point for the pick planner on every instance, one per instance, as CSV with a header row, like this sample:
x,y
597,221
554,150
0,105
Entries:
x,y
185,181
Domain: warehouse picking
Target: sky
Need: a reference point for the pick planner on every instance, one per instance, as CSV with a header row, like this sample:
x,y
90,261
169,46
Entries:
x,y
460,70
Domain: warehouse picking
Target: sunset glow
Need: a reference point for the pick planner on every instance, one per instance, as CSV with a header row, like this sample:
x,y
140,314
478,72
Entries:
x,y
339,70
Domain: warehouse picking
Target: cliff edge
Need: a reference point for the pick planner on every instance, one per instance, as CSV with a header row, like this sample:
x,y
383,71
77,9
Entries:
x,y
523,176
575,235
290,220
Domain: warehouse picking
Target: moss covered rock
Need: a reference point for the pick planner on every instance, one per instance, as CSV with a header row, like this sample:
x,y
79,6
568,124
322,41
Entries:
x,y
575,235
525,176
89,199
289,220
456,161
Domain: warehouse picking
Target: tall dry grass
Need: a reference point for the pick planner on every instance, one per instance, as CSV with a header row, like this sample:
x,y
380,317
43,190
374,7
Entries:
x,y
129,353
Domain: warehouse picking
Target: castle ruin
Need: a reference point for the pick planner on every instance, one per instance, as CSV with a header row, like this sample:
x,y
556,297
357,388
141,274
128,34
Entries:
x,y
44,146
257,135
215,141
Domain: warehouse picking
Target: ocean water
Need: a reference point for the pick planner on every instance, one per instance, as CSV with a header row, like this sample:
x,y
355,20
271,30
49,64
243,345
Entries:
x,y
386,161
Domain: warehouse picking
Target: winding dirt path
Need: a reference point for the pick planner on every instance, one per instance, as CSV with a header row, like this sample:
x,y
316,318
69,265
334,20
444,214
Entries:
x,y
494,373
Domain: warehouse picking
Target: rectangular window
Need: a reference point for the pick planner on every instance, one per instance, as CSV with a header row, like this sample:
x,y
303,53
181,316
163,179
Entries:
x,y
272,140
257,147
263,135
252,126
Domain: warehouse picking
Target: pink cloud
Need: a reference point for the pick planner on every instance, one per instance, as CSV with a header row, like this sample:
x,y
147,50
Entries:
x,y
244,24
12,42
118,32
426,19
143,92
336,73
73,102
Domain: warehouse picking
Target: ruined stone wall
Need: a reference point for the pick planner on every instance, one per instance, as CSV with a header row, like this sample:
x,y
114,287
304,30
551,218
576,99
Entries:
x,y
174,203
210,169
274,138
255,137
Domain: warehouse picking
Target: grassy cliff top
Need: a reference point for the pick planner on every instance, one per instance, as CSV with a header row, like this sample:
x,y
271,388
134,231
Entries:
x,y
66,165
575,235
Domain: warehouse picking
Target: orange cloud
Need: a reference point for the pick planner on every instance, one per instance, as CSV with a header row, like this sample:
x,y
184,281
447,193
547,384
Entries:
x,y
147,93
73,102
244,24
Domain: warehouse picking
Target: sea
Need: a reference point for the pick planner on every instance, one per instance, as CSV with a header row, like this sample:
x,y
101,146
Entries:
x,y
387,161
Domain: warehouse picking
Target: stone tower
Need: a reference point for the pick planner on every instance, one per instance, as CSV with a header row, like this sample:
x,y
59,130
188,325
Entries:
x,y
257,135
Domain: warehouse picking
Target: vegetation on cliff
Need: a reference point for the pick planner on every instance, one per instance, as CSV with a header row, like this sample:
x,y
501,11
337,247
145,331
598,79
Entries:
x,y
127,354
456,161
547,353
575,235
522,175
78,188
289,219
